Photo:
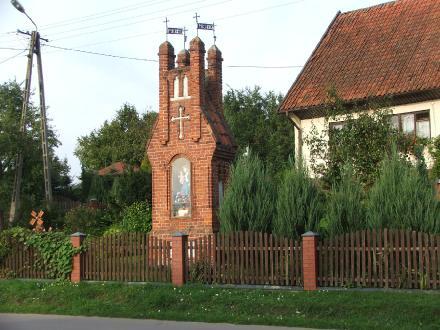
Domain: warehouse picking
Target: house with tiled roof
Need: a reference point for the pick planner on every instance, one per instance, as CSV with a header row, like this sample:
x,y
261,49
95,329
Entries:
x,y
386,52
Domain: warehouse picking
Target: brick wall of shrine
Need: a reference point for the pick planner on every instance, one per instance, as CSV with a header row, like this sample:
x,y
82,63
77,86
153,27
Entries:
x,y
198,132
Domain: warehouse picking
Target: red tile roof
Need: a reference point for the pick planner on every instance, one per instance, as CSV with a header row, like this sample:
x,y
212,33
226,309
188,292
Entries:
x,y
117,168
388,50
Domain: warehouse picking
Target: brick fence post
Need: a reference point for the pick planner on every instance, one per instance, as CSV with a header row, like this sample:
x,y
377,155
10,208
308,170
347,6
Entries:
x,y
179,255
310,260
76,240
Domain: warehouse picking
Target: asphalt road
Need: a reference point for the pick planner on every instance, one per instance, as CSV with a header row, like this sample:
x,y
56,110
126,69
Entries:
x,y
59,322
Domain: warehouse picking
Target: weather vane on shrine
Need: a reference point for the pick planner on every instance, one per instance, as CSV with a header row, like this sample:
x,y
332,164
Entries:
x,y
171,30
37,222
205,26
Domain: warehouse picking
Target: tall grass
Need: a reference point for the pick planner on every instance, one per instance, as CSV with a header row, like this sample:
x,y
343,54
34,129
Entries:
x,y
249,199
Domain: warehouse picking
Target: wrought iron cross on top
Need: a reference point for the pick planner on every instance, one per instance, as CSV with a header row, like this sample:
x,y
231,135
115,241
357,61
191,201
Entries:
x,y
181,118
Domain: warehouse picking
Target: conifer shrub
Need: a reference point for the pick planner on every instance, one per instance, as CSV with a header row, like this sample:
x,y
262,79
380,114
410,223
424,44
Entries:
x,y
299,207
248,203
345,207
403,197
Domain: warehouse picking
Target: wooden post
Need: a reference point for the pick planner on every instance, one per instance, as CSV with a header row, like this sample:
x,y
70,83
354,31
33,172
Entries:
x,y
438,189
178,261
310,260
76,240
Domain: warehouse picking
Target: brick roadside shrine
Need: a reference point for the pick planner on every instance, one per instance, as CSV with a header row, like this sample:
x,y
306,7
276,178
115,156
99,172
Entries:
x,y
191,148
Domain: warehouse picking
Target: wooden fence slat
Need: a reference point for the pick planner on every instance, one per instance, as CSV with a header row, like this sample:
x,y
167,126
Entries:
x,y
331,261
397,266
266,259
326,254
414,259
341,259
391,249
427,262
434,261
403,264
408,258
261,250
386,255
292,262
336,262
420,257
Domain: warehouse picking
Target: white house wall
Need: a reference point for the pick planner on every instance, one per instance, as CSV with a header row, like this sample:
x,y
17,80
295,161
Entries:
x,y
306,125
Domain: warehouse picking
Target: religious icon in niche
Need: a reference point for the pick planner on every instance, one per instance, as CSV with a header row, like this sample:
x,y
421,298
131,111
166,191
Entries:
x,y
181,187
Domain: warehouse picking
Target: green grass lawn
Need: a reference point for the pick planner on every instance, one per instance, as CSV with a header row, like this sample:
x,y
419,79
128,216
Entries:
x,y
323,309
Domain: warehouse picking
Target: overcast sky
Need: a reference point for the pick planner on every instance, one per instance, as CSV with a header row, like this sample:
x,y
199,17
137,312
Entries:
x,y
83,90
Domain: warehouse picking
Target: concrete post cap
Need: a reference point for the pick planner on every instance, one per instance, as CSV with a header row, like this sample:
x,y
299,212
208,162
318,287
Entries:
x,y
310,234
78,234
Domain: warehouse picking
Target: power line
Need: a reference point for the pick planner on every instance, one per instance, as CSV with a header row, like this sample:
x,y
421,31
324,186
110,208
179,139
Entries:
x,y
143,34
11,48
125,18
264,67
99,15
260,10
101,54
12,57
143,21
151,60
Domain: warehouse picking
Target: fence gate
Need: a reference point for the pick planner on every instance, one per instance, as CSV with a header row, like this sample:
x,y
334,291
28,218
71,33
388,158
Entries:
x,y
127,257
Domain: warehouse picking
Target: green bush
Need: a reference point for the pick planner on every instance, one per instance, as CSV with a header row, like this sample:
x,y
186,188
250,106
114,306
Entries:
x,y
136,218
87,220
54,250
434,150
299,207
249,199
403,197
345,209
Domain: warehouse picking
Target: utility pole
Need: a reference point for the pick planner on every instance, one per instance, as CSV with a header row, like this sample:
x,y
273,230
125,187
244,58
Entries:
x,y
15,201
43,128
34,48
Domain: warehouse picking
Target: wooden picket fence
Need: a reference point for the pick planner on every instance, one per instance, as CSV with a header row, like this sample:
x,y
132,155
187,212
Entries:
x,y
127,257
245,258
20,263
380,258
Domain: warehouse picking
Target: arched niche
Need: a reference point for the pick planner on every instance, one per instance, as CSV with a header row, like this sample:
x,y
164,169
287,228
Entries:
x,y
185,86
181,188
176,87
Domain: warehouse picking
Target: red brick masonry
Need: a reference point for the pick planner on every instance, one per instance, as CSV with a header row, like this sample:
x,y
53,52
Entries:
x,y
178,263
76,240
310,260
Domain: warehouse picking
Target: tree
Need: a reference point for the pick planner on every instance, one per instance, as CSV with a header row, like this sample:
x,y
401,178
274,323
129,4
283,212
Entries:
x,y
122,139
249,199
363,141
255,123
434,150
29,144
403,197
299,206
